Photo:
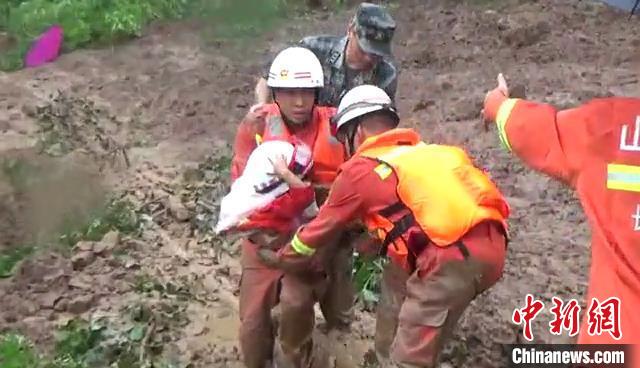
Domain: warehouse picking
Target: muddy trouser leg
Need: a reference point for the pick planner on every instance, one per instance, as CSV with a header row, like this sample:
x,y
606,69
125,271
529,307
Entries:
x,y
392,294
258,295
446,280
338,301
295,347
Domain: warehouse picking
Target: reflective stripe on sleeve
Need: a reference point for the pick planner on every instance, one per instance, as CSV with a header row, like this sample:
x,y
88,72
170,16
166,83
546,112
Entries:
x,y
300,247
501,120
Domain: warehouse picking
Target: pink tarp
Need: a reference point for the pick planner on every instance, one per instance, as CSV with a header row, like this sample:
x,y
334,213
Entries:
x,y
46,48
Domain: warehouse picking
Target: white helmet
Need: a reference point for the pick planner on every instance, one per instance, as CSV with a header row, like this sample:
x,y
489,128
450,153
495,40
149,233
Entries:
x,y
359,101
296,67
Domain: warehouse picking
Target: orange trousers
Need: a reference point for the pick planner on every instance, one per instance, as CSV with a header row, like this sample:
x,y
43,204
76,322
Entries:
x,y
262,288
418,311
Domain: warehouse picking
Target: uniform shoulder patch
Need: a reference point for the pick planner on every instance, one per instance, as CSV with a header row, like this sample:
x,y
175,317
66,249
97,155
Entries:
x,y
383,170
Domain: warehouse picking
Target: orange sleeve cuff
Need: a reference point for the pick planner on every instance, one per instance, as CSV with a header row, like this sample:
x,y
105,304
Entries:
x,y
492,103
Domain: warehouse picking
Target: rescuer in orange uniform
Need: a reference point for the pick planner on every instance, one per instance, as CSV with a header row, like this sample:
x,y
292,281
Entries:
x,y
595,149
441,221
295,79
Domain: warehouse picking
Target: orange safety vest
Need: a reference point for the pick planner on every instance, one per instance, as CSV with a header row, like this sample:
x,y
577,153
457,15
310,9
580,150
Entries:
x,y
439,188
328,153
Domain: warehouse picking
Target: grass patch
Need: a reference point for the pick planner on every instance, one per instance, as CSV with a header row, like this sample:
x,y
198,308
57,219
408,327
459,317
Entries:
x,y
17,352
84,215
85,22
95,23
77,345
10,258
132,343
117,214
19,173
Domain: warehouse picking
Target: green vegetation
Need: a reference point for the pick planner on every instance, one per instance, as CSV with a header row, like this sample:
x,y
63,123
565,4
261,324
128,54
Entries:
x,y
85,22
367,275
88,23
11,256
115,215
73,349
99,343
17,352
19,173
74,225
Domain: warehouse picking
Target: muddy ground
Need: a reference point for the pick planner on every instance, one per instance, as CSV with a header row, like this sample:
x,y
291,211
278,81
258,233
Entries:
x,y
152,120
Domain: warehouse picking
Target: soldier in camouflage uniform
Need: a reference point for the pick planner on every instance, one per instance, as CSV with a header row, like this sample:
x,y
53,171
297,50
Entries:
x,y
362,56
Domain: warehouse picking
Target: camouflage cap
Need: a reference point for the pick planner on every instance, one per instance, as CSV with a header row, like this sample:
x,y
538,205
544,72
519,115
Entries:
x,y
374,27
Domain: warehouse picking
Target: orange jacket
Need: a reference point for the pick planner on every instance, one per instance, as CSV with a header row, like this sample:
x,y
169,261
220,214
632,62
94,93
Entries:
x,y
328,153
595,148
446,208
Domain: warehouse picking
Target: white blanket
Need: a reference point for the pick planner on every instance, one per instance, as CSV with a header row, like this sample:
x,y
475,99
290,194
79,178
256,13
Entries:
x,y
243,199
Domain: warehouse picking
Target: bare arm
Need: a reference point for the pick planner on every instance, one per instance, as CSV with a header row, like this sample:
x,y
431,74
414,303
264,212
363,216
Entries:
x,y
292,180
281,169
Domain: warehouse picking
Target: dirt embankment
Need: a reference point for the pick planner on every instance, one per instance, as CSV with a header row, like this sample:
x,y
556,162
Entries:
x,y
144,116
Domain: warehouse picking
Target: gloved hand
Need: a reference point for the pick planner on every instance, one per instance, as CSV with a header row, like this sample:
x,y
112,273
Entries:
x,y
286,259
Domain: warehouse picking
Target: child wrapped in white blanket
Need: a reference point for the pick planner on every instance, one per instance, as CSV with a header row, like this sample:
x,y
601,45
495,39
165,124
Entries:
x,y
270,196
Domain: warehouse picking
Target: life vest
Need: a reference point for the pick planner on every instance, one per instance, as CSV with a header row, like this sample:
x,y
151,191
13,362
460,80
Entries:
x,y
328,153
440,191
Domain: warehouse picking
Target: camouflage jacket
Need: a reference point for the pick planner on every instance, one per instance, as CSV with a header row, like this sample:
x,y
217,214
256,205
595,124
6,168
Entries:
x,y
338,78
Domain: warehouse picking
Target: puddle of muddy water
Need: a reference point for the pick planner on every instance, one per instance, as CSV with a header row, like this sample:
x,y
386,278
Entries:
x,y
223,327
213,325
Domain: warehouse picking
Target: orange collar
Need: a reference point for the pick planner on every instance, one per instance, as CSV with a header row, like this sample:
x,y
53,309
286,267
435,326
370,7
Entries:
x,y
391,137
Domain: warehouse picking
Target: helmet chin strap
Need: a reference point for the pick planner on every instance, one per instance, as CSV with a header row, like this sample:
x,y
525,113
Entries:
x,y
351,136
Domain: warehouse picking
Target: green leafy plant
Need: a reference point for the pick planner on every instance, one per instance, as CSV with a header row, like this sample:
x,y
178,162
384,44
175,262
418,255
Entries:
x,y
97,343
88,23
16,352
85,22
20,173
115,215
367,275
9,259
